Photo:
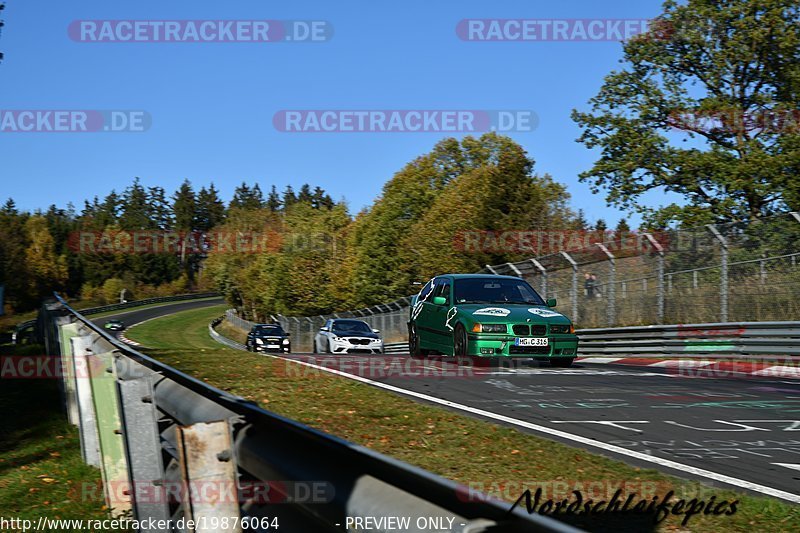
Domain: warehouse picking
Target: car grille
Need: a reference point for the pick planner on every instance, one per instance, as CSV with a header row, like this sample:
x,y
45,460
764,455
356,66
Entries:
x,y
359,341
540,350
523,330
273,341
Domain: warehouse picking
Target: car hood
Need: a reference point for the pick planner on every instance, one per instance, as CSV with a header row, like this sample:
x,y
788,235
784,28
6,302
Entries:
x,y
365,335
499,313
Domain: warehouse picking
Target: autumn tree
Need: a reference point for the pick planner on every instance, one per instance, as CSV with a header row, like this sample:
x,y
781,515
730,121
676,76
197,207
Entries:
x,y
704,107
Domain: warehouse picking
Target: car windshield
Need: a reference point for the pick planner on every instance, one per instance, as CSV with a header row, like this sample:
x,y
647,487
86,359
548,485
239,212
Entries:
x,y
351,326
269,330
495,291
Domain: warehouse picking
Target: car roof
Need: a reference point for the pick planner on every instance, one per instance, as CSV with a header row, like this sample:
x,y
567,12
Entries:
x,y
477,276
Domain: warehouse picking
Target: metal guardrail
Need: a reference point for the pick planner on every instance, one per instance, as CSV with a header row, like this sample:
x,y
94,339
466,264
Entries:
x,y
23,326
152,429
731,338
230,343
395,347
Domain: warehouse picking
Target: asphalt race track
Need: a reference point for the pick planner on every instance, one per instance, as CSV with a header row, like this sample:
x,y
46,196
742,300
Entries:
x,y
732,431
134,316
725,431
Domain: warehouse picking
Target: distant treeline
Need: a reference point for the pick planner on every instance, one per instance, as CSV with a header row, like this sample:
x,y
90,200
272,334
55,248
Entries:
x,y
318,258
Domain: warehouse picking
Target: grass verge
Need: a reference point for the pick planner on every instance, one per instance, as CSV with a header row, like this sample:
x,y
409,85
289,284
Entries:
x,y
41,469
501,461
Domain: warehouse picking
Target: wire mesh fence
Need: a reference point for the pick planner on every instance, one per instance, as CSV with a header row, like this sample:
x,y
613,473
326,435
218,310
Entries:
x,y
741,271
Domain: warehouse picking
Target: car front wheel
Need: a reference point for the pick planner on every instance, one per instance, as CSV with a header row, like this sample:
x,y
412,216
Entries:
x,y
460,341
413,343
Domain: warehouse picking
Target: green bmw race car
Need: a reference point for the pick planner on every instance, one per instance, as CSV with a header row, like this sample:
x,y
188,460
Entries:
x,y
489,316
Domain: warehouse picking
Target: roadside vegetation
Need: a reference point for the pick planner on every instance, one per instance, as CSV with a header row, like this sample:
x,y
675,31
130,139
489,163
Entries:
x,y
499,460
41,469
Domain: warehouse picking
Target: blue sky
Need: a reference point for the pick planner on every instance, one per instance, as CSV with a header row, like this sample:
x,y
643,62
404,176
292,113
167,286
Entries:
x,y
212,104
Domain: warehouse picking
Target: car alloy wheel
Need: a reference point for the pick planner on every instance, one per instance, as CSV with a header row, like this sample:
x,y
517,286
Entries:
x,y
413,342
460,341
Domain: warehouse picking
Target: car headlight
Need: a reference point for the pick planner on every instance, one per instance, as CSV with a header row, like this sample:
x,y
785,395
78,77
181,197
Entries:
x,y
489,328
285,341
259,341
562,328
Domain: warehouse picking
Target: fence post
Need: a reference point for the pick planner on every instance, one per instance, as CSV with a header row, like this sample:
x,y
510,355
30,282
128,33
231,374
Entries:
x,y
490,269
694,279
762,269
514,268
723,277
660,273
574,289
611,315
543,271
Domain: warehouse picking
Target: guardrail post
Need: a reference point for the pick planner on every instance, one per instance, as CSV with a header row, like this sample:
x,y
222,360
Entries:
x,y
208,472
723,277
143,442
574,289
110,431
77,370
611,315
660,273
68,382
543,272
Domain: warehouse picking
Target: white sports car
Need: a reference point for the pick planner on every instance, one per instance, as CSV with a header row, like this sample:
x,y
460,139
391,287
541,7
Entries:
x,y
344,335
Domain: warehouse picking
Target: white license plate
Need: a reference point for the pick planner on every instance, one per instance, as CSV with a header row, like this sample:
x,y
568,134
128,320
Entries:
x,y
532,341
273,345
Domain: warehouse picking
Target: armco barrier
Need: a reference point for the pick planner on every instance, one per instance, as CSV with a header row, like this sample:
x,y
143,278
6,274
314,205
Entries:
x,y
152,428
730,338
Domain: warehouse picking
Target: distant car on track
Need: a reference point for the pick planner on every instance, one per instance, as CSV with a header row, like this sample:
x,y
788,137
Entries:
x,y
488,316
268,338
344,335
114,325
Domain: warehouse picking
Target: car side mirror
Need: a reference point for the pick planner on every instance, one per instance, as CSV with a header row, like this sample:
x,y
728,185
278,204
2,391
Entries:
x,y
376,331
323,328
551,302
439,300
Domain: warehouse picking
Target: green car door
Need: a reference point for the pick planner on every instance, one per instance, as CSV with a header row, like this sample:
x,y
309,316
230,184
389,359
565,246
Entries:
x,y
430,315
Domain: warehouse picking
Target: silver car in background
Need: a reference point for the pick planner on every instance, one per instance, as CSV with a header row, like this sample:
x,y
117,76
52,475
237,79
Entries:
x,y
345,335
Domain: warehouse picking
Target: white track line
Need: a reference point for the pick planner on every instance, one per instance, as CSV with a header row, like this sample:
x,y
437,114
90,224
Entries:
x,y
741,483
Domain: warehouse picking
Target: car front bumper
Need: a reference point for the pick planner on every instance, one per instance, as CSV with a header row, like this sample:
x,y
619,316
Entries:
x,y
559,346
346,346
263,348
